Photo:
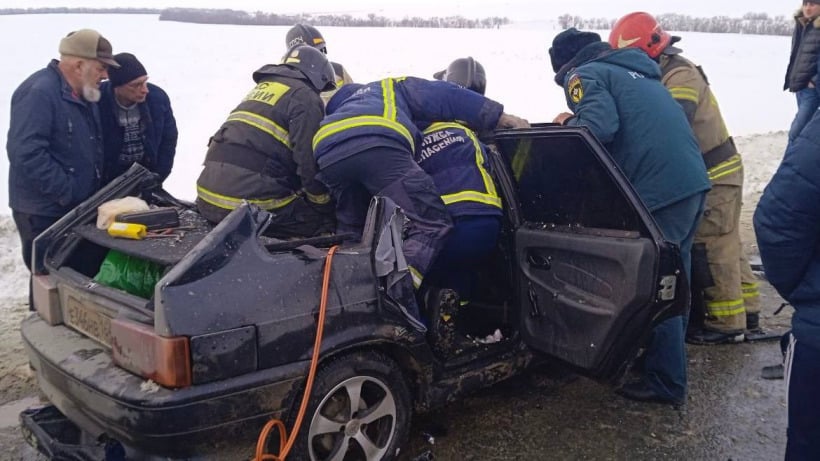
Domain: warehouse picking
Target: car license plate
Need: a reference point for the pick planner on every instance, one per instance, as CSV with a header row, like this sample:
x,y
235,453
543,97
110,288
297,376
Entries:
x,y
85,320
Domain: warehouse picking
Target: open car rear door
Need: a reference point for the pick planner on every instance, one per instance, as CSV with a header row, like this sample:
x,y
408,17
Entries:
x,y
595,274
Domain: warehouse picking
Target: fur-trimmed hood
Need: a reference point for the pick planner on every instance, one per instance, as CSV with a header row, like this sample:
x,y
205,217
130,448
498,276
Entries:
x,y
803,20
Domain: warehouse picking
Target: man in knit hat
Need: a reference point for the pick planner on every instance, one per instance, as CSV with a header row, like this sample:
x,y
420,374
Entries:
x,y
138,123
55,140
618,95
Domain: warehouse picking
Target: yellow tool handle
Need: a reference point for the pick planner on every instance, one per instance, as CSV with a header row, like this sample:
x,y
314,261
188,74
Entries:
x,y
127,230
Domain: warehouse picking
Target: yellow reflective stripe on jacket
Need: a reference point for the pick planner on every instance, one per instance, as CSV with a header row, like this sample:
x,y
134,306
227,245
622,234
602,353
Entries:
x,y
750,290
726,168
725,308
491,196
389,95
416,276
319,199
230,203
471,196
265,124
362,120
387,120
682,92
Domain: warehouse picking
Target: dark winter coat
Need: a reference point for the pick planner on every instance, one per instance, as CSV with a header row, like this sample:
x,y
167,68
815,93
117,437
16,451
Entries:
x,y
457,161
385,112
803,63
618,95
262,153
158,128
54,146
787,225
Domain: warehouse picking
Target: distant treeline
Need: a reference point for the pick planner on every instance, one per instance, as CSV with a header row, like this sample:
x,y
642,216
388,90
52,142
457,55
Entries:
x,y
259,18
750,23
226,16
74,10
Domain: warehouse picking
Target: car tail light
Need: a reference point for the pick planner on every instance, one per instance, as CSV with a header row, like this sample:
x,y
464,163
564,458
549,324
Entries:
x,y
137,348
46,299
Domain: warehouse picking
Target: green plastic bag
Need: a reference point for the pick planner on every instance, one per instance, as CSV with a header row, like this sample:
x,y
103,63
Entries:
x,y
132,275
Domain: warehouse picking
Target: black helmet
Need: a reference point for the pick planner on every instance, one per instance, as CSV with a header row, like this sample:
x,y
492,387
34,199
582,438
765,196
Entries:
x,y
313,64
303,34
465,72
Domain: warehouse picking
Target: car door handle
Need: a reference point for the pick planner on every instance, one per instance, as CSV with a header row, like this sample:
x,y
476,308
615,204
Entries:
x,y
539,261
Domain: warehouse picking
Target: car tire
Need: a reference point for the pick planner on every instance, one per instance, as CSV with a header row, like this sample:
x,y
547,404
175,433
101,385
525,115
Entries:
x,y
374,430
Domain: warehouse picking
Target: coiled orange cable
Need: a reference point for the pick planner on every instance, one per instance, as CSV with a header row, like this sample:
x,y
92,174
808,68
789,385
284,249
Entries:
x,y
285,442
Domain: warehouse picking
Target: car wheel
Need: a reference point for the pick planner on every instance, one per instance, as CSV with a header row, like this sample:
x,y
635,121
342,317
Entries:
x,y
359,410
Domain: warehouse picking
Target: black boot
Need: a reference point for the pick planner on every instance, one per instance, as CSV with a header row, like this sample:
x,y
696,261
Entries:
x,y
752,321
442,306
705,336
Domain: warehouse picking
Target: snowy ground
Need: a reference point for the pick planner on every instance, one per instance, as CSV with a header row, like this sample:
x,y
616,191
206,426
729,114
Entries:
x,y
206,74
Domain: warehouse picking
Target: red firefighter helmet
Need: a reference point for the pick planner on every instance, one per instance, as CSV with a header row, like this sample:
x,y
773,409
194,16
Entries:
x,y
640,30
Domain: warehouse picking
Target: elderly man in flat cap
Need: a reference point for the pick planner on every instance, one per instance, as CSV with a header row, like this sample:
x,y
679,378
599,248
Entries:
x,y
55,141
137,120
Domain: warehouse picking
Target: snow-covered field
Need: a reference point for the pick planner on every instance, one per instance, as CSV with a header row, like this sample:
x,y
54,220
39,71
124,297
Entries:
x,y
206,70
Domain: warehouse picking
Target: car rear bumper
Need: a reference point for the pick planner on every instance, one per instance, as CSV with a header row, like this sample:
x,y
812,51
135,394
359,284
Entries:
x,y
104,401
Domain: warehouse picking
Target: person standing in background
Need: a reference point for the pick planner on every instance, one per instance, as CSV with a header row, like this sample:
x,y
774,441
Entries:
x,y
802,71
303,34
724,289
54,142
137,120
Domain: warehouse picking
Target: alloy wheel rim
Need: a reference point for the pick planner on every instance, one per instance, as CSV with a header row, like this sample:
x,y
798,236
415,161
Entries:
x,y
355,421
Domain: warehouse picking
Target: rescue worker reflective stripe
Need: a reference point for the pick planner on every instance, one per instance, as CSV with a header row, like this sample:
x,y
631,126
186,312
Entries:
x,y
750,290
416,276
389,95
360,121
726,168
319,199
685,93
725,308
491,196
471,196
387,120
230,203
265,124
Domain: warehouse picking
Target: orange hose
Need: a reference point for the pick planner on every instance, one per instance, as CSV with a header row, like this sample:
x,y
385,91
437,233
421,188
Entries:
x,y
285,442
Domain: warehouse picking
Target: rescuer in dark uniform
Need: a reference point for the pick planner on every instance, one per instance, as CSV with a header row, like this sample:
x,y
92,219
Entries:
x,y
263,154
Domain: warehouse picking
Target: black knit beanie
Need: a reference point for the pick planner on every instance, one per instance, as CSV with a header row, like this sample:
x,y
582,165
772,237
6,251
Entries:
x,y
130,68
567,44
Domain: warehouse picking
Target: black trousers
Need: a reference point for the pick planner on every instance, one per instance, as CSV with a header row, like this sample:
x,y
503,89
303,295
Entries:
x,y
29,226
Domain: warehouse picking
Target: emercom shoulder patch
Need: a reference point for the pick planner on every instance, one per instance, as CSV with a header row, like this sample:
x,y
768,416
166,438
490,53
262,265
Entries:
x,y
575,89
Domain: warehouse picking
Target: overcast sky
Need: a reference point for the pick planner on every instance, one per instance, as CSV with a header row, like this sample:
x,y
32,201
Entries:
x,y
514,9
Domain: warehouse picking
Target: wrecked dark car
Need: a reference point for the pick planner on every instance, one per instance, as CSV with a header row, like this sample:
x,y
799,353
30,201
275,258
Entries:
x,y
222,343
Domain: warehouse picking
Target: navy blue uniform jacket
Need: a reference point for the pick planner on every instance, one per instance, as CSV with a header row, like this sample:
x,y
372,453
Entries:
x,y
787,225
385,113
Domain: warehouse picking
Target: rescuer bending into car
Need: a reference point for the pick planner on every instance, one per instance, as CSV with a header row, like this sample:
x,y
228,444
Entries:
x,y
262,153
457,161
366,147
